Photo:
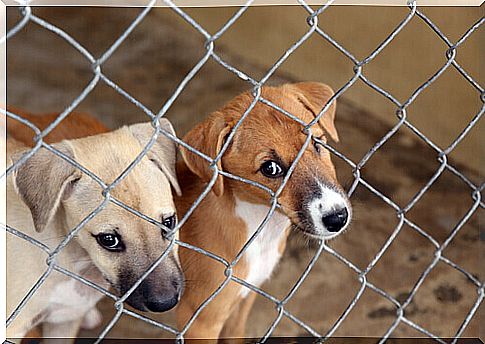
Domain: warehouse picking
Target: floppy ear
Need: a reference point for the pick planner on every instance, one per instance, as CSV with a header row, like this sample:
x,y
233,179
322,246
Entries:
x,y
43,181
314,96
208,138
163,152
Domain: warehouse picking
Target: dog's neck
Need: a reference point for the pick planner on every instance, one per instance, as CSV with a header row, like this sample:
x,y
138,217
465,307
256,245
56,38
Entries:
x,y
265,250
229,219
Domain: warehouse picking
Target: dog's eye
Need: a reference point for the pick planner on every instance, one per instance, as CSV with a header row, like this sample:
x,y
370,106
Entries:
x,y
170,221
272,169
111,242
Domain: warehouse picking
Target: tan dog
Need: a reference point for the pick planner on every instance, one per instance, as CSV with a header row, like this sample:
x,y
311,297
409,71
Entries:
x,y
47,197
262,149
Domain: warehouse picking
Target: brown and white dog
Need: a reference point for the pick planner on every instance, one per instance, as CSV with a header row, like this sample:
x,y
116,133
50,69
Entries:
x,y
262,149
47,197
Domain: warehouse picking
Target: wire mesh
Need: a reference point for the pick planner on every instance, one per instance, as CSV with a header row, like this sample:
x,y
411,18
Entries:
x,y
29,17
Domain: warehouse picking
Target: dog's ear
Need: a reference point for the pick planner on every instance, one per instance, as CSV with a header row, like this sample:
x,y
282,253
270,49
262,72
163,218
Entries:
x,y
314,96
164,152
43,181
207,137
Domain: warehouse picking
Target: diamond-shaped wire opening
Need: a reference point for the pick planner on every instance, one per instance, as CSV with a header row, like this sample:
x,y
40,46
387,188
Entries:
x,y
372,314
401,167
415,70
465,248
439,221
333,293
360,27
410,253
451,86
256,46
449,288
45,77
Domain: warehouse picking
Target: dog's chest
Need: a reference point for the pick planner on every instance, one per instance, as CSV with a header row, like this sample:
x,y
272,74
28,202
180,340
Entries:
x,y
71,299
264,252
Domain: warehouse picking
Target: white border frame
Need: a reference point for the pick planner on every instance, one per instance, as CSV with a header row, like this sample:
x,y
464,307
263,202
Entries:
x,y
3,183
137,3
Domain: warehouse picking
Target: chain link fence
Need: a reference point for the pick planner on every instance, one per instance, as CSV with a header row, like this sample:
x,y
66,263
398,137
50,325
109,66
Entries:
x,y
29,18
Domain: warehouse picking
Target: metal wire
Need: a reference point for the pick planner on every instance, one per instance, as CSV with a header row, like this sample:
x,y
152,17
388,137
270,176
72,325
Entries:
x,y
28,17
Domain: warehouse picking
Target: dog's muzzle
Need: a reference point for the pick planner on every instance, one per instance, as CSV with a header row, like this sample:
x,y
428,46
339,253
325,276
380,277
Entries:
x,y
329,212
160,291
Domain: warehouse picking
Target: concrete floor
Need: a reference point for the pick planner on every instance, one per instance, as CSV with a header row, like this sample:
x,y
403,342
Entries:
x,y
45,74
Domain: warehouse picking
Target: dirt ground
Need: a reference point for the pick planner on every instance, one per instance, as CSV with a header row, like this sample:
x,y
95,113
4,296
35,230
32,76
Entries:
x,y
46,74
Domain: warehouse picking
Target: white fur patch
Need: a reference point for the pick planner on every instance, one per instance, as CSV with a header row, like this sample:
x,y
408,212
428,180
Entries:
x,y
92,319
329,201
70,299
263,253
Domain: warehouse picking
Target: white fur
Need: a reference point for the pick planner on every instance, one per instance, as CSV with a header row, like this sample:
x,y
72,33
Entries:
x,y
329,201
92,319
263,254
71,299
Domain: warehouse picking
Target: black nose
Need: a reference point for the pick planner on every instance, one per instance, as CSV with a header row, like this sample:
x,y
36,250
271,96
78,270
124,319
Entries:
x,y
334,222
161,305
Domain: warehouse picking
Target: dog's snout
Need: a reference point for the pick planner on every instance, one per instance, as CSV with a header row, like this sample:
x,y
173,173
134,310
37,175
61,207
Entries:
x,y
160,291
335,221
162,303
155,295
162,298
329,211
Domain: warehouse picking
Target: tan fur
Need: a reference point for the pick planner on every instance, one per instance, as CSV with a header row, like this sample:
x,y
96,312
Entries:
x,y
59,197
213,225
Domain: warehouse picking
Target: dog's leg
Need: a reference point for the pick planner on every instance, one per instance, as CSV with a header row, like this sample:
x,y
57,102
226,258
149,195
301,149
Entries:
x,y
205,326
210,321
57,333
235,326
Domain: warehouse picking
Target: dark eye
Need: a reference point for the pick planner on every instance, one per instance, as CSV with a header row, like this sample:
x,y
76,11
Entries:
x,y
271,169
111,242
170,221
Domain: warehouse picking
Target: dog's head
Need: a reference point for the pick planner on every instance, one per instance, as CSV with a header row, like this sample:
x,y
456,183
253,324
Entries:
x,y
120,244
264,147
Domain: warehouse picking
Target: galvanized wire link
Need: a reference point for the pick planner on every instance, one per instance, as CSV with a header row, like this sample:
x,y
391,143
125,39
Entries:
x,y
314,16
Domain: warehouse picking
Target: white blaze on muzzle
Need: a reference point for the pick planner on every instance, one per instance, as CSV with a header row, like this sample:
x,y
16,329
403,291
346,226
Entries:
x,y
330,212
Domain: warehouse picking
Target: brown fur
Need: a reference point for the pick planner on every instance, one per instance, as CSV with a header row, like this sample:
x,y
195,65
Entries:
x,y
214,225
82,123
